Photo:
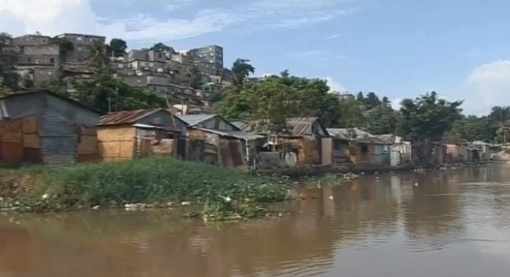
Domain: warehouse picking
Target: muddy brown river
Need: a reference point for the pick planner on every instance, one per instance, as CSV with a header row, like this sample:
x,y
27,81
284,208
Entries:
x,y
441,223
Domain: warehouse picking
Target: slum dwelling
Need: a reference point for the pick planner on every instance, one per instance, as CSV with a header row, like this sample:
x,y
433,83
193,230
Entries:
x,y
41,127
304,143
213,139
128,135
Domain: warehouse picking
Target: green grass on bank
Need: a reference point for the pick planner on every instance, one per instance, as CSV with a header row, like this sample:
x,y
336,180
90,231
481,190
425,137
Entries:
x,y
217,191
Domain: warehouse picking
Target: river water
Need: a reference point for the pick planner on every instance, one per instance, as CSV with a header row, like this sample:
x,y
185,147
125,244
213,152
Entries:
x,y
441,223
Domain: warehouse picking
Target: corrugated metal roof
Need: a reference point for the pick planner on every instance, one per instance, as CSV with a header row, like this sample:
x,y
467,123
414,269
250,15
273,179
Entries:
x,y
195,119
233,134
296,126
147,126
301,126
356,135
125,117
241,125
388,138
25,93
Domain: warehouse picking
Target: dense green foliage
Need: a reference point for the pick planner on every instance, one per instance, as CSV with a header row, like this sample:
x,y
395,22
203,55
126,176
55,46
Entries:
x,y
118,47
382,119
106,94
491,128
276,98
196,78
241,69
218,191
161,47
428,117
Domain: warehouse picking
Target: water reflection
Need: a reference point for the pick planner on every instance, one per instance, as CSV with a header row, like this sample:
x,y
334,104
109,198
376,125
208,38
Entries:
x,y
386,225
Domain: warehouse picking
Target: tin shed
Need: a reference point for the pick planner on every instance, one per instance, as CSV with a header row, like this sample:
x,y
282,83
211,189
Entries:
x,y
42,127
128,135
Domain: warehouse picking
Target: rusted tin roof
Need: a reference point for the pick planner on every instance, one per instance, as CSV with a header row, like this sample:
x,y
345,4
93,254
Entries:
x,y
359,136
233,134
125,117
296,127
301,126
305,126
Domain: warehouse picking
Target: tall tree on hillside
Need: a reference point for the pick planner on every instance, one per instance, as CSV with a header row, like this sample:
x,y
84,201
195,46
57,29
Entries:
x,y
350,115
118,47
372,100
360,97
500,115
241,69
272,103
428,117
425,120
4,37
98,57
161,47
195,77
472,128
382,120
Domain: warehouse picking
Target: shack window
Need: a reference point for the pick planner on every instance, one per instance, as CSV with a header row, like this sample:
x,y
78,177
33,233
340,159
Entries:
x,y
364,148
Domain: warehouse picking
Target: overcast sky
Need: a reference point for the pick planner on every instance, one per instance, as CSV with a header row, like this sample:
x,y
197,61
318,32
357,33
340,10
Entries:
x,y
397,48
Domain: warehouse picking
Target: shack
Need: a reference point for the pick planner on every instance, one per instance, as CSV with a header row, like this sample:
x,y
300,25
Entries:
x,y
128,135
215,140
225,148
304,143
400,151
41,127
365,151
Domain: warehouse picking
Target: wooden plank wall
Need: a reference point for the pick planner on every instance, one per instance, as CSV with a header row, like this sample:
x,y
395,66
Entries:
x,y
87,148
20,141
116,143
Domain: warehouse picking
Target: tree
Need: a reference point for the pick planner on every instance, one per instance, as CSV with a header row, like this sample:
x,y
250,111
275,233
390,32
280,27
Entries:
x,y
241,69
8,80
195,78
372,100
382,120
272,104
428,117
97,56
161,47
118,47
425,120
472,128
498,120
4,37
500,115
350,115
106,94
360,97
278,97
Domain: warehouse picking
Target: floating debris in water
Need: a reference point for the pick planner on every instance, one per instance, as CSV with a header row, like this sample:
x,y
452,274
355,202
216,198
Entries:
x,y
135,207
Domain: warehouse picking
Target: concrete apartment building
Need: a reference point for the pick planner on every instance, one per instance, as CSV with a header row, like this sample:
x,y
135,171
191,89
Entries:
x,y
208,59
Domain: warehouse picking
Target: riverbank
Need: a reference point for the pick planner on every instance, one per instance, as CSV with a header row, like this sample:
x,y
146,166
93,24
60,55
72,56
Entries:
x,y
209,191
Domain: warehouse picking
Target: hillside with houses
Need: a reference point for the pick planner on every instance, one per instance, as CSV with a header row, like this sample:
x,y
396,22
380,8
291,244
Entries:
x,y
100,101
